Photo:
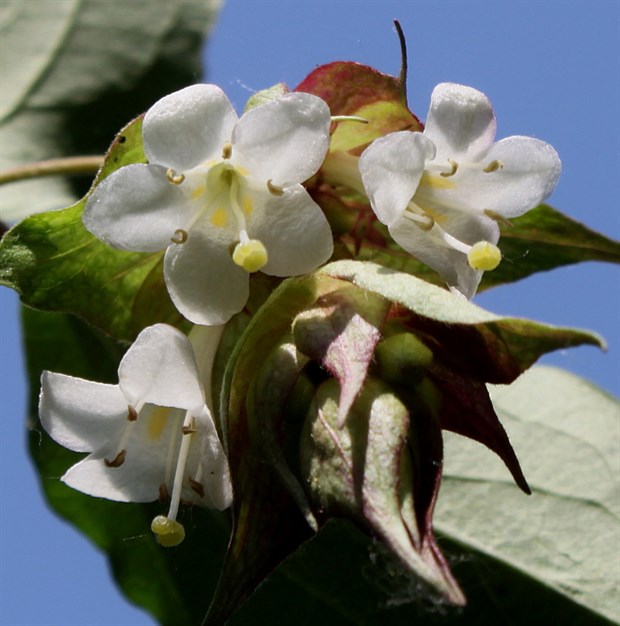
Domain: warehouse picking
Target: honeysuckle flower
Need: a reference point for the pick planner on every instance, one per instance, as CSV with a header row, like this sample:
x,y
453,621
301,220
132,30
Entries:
x,y
222,195
442,192
150,436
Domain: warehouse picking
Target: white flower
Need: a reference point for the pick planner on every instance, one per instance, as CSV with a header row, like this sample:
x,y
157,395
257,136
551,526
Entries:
x,y
222,195
152,435
442,192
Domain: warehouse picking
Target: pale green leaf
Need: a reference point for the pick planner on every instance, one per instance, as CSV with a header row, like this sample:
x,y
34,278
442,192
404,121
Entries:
x,y
567,534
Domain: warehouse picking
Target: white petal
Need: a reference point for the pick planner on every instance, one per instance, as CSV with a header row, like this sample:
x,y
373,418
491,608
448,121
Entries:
x,y
460,121
284,140
295,233
144,468
391,168
188,127
127,483
202,279
81,415
530,172
451,265
160,368
136,208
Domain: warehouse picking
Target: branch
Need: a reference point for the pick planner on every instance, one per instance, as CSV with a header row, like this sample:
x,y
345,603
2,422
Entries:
x,y
68,166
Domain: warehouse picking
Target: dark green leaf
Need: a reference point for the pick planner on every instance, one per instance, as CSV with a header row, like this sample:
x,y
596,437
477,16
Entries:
x,y
543,239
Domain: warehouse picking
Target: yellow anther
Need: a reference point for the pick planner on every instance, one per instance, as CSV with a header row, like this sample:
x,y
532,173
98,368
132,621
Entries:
x,y
180,236
227,150
250,255
484,256
169,532
493,166
274,189
174,179
454,168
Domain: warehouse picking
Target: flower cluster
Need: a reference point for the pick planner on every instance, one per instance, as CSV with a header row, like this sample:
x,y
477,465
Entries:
x,y
225,197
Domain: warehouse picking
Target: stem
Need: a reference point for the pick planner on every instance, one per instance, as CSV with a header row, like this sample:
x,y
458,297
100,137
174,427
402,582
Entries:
x,y
67,166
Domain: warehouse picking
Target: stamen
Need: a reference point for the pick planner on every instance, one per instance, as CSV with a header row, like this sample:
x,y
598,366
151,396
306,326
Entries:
x,y
164,494
169,532
174,179
454,165
180,236
171,446
500,219
484,256
197,487
451,241
493,166
227,151
349,118
274,189
423,221
117,461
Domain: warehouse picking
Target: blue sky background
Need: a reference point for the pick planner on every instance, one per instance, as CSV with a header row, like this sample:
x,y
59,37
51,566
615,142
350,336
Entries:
x,y
551,69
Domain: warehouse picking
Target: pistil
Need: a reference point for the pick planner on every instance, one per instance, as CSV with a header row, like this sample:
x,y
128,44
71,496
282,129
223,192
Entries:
x,y
170,532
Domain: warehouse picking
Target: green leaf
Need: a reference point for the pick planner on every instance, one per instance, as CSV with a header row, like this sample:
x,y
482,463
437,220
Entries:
x,y
544,239
74,72
55,264
343,578
175,585
565,535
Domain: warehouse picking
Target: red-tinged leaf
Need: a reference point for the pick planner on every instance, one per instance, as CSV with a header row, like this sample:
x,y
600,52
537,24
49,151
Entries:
x,y
365,471
467,410
355,89
341,333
